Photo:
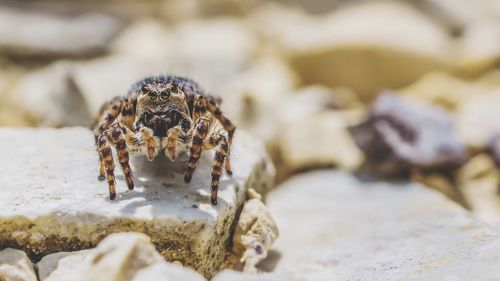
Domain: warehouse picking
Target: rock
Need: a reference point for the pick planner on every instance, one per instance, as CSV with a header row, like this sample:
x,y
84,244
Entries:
x,y
478,181
54,100
480,46
335,225
441,89
53,201
477,120
16,266
119,257
41,34
368,47
320,140
253,95
255,233
398,136
62,266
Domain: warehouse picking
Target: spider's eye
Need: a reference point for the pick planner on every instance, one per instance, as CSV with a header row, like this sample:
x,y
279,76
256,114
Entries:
x,y
164,94
152,95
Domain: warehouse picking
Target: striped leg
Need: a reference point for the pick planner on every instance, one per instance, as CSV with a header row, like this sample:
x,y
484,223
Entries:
x,y
199,135
220,157
214,108
128,113
118,140
108,114
199,107
104,147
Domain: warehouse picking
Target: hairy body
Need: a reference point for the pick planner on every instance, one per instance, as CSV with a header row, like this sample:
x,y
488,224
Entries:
x,y
163,114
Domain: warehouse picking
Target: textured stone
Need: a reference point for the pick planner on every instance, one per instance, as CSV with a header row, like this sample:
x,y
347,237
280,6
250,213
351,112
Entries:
x,y
399,136
52,201
320,140
334,225
255,233
119,257
16,266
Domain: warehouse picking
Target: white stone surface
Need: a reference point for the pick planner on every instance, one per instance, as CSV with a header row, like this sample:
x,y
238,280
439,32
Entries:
x,y
52,201
336,227
16,266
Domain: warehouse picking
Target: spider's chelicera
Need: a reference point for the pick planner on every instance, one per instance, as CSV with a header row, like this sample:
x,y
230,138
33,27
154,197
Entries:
x,y
163,114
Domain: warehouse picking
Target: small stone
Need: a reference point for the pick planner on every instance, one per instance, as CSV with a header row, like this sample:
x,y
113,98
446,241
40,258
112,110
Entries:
x,y
62,266
16,266
398,136
320,140
119,257
255,234
55,104
52,201
440,88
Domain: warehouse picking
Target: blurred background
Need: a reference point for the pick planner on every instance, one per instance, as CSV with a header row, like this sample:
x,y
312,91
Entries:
x,y
389,89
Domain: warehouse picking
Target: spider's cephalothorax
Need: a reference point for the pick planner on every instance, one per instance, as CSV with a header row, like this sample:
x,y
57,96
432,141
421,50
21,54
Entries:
x,y
162,114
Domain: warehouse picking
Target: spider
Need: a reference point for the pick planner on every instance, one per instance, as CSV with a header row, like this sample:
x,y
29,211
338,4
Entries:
x,y
168,114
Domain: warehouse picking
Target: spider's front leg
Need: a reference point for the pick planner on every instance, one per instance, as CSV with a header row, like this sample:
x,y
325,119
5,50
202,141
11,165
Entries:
x,y
170,142
118,139
222,152
106,156
199,134
114,136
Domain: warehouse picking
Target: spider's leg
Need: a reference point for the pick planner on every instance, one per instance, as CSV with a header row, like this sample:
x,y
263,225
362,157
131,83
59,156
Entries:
x,y
118,140
128,112
171,142
200,132
107,115
220,156
214,108
104,147
199,107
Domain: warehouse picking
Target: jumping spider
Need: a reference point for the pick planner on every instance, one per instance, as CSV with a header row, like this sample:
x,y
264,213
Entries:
x,y
162,113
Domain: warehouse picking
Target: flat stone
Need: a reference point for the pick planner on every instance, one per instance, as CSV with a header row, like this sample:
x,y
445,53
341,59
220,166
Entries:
x,y
16,266
53,202
334,225
55,104
40,33
363,46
